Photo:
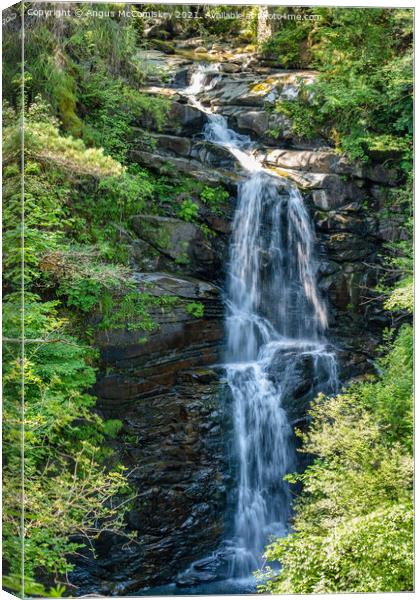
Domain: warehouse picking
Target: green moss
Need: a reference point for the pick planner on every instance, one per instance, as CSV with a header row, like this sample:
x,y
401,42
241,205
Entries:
x,y
164,46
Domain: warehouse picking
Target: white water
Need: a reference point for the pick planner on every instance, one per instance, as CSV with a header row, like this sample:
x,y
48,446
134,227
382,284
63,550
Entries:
x,y
275,322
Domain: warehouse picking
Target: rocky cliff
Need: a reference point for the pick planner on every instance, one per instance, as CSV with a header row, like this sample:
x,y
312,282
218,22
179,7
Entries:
x,y
168,390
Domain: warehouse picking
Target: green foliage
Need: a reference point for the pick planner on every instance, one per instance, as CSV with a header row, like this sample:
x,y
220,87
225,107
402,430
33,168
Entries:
x,y
362,97
44,143
81,101
373,552
402,297
390,397
65,452
397,286
196,309
112,107
289,45
82,293
66,485
214,198
116,200
133,310
89,73
111,427
188,211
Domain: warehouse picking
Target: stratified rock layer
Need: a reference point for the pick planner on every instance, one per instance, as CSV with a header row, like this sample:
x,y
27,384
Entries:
x,y
170,396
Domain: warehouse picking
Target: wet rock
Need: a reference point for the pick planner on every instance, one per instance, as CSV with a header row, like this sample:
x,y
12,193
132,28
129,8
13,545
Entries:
x,y
162,385
214,567
253,90
344,247
178,145
313,161
156,60
213,155
335,193
184,119
303,373
230,68
345,287
181,78
166,163
172,442
253,120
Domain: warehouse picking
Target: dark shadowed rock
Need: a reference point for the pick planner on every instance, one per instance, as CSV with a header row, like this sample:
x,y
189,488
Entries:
x,y
182,246
171,403
184,119
176,144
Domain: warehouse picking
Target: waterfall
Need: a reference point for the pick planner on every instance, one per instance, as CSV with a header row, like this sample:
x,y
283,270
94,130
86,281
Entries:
x,y
275,316
275,322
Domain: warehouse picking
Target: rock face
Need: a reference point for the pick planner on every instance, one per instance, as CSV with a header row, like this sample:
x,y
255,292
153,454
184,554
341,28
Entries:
x,y
174,414
165,389
174,245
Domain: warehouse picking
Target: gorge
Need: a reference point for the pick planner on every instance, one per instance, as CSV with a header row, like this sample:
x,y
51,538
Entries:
x,y
208,296
246,383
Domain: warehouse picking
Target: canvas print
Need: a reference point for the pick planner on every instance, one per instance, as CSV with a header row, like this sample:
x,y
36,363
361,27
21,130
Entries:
x,y
208,298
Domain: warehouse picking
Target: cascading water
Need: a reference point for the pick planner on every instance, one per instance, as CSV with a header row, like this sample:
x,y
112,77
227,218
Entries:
x,y
275,321
275,317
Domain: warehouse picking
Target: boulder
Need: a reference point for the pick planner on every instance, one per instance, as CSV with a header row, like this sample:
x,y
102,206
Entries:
x,y
212,568
335,193
257,90
171,237
213,155
158,60
381,174
256,121
318,161
230,68
184,119
180,146
183,247
304,381
169,163
330,191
